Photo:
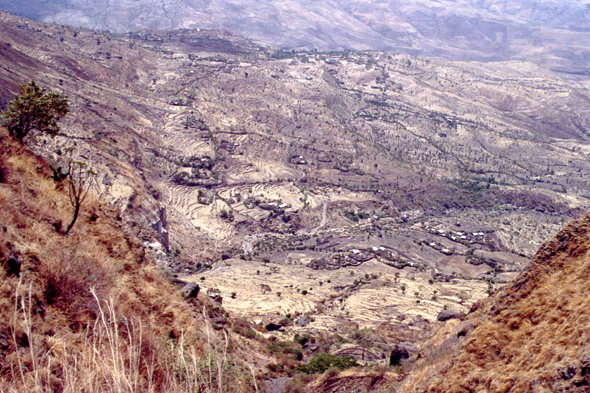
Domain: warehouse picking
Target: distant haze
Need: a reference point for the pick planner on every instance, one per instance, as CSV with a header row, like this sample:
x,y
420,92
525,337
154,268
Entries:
x,y
555,33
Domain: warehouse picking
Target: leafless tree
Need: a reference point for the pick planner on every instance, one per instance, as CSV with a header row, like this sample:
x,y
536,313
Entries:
x,y
80,179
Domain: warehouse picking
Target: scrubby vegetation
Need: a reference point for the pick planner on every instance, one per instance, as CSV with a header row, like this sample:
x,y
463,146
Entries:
x,y
34,109
325,361
90,311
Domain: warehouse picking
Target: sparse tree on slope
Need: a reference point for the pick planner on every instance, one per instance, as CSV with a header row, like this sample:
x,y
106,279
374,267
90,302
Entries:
x,y
80,179
34,109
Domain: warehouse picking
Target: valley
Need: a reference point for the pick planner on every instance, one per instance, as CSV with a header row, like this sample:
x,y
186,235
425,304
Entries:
x,y
354,194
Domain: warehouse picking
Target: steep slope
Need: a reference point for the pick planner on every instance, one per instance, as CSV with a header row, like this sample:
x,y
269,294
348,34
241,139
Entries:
x,y
533,336
90,311
545,31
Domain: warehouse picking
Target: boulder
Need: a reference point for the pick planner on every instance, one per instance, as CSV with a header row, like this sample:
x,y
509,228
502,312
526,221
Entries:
x,y
217,298
303,321
445,315
271,327
190,290
219,320
13,265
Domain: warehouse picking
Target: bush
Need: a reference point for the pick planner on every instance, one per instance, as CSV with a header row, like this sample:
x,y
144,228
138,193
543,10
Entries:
x,y
332,372
323,361
34,109
297,384
285,347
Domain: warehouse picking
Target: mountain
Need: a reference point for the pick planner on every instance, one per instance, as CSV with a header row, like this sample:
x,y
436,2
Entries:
x,y
548,32
338,202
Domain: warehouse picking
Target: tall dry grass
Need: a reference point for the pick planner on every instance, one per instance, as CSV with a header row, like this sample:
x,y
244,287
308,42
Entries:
x,y
112,357
90,312
533,336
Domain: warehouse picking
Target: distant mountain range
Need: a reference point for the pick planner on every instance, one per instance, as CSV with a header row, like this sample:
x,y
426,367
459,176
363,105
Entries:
x,y
549,32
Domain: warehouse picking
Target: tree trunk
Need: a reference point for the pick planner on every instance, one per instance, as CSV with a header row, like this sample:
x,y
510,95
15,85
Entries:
x,y
76,212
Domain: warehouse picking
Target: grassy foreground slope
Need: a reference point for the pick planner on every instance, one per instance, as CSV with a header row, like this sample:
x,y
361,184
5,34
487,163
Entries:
x,y
533,336
90,312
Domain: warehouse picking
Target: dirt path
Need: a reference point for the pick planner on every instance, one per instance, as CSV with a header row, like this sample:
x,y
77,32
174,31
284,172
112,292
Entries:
x,y
324,217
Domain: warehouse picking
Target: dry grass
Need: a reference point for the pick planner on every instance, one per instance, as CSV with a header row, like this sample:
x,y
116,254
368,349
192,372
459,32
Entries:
x,y
532,336
90,312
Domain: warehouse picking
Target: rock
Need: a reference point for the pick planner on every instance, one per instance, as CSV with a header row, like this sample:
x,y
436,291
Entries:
x,y
13,266
445,315
466,329
219,320
57,224
568,372
271,327
190,290
303,321
225,257
217,298
311,347
276,385
401,351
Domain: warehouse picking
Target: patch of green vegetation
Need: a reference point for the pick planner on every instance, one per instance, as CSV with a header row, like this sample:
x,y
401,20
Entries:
x,y
324,361
471,185
286,347
356,216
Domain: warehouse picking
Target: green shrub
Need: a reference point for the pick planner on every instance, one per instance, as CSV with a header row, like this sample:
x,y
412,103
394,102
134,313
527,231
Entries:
x,y
34,109
323,361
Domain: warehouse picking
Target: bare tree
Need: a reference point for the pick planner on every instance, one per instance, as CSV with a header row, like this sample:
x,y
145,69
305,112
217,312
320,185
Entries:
x,y
80,178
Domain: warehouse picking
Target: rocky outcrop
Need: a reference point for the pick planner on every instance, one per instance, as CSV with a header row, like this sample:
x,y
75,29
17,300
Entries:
x,y
190,290
401,351
445,315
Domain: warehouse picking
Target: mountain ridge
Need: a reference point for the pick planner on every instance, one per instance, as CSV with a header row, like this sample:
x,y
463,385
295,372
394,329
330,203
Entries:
x,y
547,32
530,336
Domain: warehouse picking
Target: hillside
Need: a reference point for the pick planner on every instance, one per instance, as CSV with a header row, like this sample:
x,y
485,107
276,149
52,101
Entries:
x,y
316,184
341,202
530,337
90,311
548,32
